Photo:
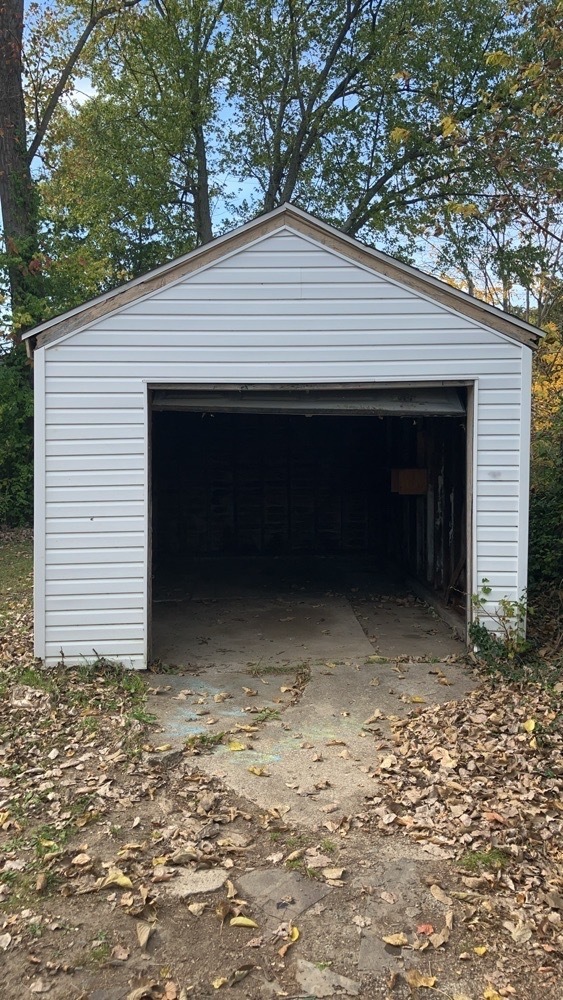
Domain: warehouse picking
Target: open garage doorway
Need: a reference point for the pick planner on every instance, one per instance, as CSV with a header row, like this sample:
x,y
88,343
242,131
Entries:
x,y
293,525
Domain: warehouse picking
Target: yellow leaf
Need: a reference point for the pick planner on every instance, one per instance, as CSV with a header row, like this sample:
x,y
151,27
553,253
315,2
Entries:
x,y
219,982
293,937
242,922
416,978
116,877
529,725
237,745
261,772
448,126
160,861
417,700
491,994
498,58
163,748
481,950
533,743
399,134
4,816
397,940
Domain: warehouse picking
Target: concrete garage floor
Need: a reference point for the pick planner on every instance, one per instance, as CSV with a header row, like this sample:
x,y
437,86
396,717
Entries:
x,y
309,667
313,741
237,613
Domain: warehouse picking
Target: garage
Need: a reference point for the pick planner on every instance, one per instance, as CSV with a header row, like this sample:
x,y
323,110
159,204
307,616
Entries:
x,y
312,498
282,446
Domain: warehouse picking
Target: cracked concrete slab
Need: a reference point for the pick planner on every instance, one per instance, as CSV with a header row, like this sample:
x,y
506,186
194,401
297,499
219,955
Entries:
x,y
192,883
323,982
319,757
281,894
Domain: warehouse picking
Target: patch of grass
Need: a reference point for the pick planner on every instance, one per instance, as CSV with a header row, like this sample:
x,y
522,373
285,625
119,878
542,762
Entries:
x,y
36,679
101,949
267,714
295,865
312,873
275,836
478,861
204,742
295,840
16,566
141,715
47,839
257,671
327,846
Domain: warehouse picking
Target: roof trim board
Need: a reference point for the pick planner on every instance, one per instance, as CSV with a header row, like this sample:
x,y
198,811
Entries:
x,y
286,216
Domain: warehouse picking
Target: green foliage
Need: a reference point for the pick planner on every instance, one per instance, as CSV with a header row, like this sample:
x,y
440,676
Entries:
x,y
498,633
16,441
479,861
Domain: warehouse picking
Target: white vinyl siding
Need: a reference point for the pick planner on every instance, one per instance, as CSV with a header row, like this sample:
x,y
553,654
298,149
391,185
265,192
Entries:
x,y
282,310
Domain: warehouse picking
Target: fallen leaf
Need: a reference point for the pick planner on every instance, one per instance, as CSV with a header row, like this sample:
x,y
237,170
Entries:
x,y
197,908
149,991
81,859
333,873
144,931
120,953
293,937
296,854
417,700
275,858
235,745
529,725
219,982
520,933
491,994
260,772
241,973
389,897
242,922
426,929
440,895
396,940
415,979
116,877
5,940
481,950
39,986
443,936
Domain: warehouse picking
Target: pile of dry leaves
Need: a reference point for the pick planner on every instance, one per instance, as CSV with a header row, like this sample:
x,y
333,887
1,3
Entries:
x,y
481,781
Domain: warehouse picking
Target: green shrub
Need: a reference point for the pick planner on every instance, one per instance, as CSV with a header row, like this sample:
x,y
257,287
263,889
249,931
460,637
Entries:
x,y
16,439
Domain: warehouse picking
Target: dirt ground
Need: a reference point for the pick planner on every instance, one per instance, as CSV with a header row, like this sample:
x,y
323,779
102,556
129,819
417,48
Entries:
x,y
129,870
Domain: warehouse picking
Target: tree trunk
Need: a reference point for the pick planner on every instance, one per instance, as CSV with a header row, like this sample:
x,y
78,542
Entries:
x,y
17,194
202,211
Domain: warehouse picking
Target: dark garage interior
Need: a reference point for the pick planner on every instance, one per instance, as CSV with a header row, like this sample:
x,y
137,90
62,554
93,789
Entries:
x,y
356,497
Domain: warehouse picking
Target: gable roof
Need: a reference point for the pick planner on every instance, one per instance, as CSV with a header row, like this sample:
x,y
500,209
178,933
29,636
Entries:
x,y
286,216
